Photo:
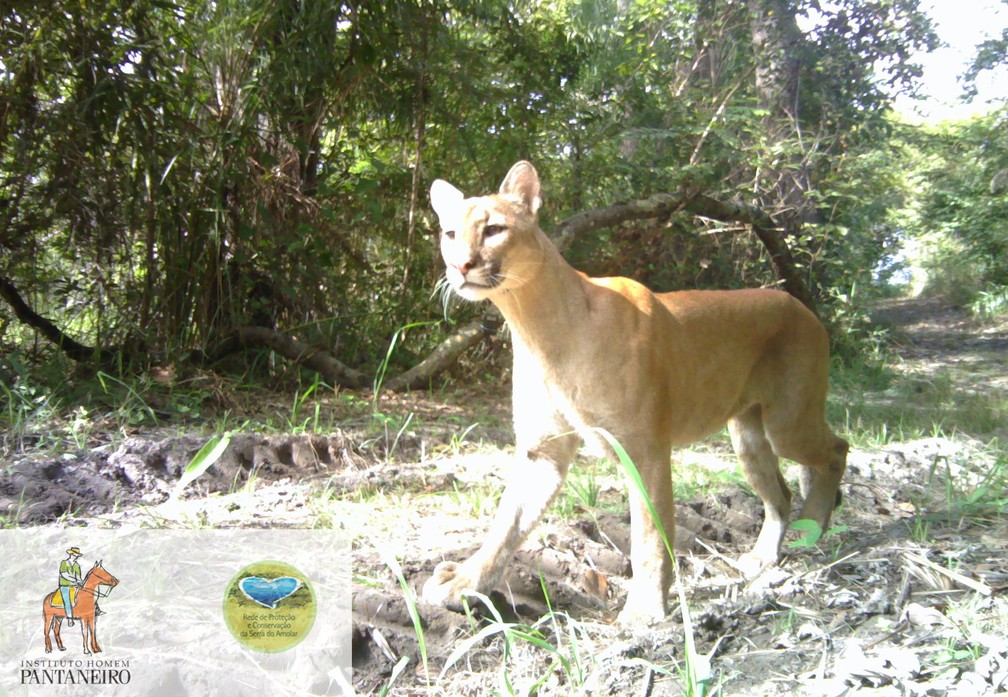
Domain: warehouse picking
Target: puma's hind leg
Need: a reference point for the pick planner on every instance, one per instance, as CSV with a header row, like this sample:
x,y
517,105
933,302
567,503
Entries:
x,y
823,459
794,419
761,468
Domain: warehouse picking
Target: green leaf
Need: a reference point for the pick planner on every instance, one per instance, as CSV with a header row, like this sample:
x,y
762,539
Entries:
x,y
202,461
812,532
411,603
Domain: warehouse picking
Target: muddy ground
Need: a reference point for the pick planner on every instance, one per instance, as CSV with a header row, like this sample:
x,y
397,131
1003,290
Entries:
x,y
906,598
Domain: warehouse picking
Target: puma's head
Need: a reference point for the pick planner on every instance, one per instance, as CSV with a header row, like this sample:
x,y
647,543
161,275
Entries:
x,y
490,244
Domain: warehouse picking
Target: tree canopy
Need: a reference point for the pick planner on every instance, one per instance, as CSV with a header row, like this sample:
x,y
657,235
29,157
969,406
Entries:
x,y
182,180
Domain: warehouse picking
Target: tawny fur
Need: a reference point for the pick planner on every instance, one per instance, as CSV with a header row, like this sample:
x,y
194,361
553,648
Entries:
x,y
657,371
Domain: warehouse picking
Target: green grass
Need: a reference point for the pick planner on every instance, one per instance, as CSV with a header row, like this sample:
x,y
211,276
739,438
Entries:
x,y
978,491
583,489
32,412
475,500
703,471
60,407
202,461
298,422
411,604
556,637
990,304
974,634
562,646
598,484
885,404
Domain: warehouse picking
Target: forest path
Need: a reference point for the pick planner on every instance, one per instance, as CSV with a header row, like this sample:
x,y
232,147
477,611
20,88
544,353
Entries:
x,y
947,366
929,334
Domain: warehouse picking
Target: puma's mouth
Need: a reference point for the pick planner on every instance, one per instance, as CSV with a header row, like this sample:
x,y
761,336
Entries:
x,y
477,282
476,290
489,284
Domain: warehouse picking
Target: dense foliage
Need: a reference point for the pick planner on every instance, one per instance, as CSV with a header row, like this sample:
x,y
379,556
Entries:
x,y
171,169
957,180
960,213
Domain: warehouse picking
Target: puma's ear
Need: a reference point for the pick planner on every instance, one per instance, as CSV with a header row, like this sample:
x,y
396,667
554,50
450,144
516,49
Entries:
x,y
523,181
444,199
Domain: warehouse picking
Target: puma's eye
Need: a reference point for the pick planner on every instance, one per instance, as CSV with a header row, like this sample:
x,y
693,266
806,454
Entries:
x,y
450,234
491,230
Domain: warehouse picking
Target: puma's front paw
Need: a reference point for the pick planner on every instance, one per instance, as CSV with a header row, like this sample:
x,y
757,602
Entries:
x,y
449,582
640,612
752,564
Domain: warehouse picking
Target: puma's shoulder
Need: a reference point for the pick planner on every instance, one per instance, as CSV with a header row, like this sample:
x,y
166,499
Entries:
x,y
617,291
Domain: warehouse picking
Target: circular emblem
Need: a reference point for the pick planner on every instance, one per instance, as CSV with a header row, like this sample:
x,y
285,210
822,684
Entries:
x,y
269,606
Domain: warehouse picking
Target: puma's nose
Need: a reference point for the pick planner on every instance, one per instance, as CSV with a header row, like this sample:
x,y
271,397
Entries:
x,y
467,265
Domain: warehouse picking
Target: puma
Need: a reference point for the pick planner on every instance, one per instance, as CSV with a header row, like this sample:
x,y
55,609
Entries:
x,y
657,371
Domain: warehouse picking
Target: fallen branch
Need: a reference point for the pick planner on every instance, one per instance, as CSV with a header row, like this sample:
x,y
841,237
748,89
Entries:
x,y
331,369
74,350
335,372
441,358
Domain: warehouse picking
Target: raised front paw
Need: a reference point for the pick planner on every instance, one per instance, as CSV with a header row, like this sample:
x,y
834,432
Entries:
x,y
449,582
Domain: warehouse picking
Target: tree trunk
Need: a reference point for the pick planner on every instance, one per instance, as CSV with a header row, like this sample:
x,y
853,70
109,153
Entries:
x,y
777,44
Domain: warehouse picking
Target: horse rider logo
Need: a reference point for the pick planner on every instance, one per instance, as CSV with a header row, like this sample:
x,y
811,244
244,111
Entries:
x,y
76,598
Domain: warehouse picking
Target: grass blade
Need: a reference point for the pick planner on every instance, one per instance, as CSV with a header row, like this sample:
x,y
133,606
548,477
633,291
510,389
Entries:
x,y
698,667
202,461
411,604
397,670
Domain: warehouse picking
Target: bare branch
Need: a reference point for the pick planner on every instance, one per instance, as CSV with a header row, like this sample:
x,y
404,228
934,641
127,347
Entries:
x,y
654,206
768,233
73,349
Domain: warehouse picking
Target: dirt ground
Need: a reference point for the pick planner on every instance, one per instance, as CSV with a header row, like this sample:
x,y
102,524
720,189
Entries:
x,y
907,597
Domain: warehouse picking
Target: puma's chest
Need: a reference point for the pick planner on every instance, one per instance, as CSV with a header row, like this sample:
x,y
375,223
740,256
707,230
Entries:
x,y
571,386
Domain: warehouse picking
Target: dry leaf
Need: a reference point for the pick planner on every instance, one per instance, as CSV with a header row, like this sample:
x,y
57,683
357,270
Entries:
x,y
921,616
595,584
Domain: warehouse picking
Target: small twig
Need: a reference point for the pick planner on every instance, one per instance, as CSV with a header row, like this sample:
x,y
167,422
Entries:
x,y
713,119
648,684
903,596
727,560
898,630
